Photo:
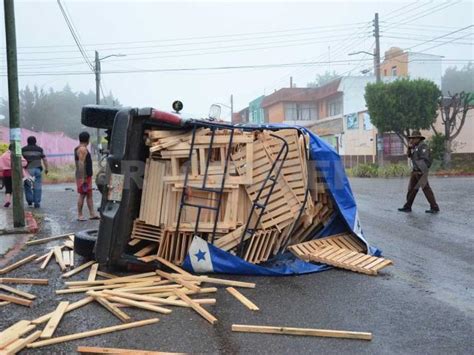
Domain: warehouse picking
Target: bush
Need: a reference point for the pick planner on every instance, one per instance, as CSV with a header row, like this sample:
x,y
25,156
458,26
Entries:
x,y
373,170
436,144
3,148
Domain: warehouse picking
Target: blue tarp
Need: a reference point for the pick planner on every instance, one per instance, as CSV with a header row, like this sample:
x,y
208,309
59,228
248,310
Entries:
x,y
204,257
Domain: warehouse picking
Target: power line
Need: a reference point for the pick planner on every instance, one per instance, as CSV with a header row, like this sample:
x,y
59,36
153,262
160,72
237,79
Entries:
x,y
74,36
439,37
410,10
95,45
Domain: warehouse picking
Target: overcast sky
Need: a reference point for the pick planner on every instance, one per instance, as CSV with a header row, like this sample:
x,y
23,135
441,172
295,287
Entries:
x,y
157,35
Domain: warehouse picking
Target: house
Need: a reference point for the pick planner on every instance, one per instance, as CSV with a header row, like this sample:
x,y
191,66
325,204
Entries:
x,y
256,113
413,65
241,117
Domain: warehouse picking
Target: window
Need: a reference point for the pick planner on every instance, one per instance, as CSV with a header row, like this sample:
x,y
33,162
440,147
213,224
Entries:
x,y
300,112
394,71
335,107
367,122
392,144
352,121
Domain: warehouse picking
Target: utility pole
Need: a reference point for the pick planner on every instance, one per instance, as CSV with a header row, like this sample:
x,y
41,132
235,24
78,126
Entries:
x,y
231,108
14,111
97,95
380,143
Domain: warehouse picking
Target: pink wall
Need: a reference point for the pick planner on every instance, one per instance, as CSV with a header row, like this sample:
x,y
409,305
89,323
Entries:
x,y
58,147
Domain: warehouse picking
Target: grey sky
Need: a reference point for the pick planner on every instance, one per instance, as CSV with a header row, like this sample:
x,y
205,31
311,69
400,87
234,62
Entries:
x,y
40,23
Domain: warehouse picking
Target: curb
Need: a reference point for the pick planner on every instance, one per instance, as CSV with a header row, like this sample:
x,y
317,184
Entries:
x,y
31,226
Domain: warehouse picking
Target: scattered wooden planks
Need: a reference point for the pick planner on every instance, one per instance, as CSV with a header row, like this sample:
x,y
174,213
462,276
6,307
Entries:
x,y
46,240
244,300
19,280
96,350
301,331
54,320
17,264
91,333
14,332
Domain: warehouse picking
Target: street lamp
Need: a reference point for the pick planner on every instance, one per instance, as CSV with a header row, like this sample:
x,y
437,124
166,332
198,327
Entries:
x,y
97,88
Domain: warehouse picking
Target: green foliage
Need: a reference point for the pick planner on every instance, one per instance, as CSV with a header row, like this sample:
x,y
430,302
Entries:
x,y
372,170
436,144
50,110
402,105
322,79
457,80
3,148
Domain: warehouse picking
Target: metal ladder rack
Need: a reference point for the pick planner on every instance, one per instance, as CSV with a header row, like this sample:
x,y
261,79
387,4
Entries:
x,y
272,176
219,191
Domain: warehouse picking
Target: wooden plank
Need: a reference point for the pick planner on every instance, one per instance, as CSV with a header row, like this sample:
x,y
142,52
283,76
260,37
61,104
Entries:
x,y
18,292
16,300
17,264
96,350
327,333
220,281
155,299
59,258
69,308
106,275
198,308
48,258
93,272
21,343
124,317
91,333
178,280
244,300
4,303
13,332
138,304
172,266
66,257
77,269
54,320
46,240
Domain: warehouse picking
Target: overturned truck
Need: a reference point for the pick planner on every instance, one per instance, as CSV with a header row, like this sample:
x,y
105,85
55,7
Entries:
x,y
211,196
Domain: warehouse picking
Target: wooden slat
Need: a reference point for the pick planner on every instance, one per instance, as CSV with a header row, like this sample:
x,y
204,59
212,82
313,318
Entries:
x,y
302,331
244,300
91,333
54,320
17,264
198,308
18,292
78,269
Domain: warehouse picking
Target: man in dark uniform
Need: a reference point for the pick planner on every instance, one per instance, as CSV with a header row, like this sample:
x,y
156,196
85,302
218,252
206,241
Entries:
x,y
419,152
34,155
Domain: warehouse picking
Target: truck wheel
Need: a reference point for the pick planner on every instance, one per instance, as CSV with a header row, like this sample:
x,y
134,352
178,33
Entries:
x,y
84,242
98,116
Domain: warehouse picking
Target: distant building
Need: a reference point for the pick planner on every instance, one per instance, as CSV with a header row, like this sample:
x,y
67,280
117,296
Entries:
x,y
256,112
399,63
241,117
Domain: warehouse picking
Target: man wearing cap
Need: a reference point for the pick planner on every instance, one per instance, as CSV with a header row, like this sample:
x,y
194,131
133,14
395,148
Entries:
x,y
419,152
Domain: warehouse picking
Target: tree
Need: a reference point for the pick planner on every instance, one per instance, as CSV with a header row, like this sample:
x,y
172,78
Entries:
x,y
322,79
454,109
456,81
402,105
50,110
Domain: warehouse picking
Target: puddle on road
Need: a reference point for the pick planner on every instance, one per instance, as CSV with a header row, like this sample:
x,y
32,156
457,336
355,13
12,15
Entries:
x,y
8,242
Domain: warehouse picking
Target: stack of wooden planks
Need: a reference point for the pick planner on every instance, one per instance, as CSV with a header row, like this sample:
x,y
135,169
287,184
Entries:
x,y
264,168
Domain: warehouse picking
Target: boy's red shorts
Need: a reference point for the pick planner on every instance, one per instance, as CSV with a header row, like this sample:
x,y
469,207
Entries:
x,y
84,187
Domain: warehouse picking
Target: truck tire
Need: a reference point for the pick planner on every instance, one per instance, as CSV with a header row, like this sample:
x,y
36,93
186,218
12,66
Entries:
x,y
98,116
84,242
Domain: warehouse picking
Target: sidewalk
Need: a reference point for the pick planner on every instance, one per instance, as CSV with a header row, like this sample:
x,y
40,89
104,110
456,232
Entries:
x,y
6,223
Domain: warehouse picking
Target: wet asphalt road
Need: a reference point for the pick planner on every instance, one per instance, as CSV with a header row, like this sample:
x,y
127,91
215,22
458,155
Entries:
x,y
423,304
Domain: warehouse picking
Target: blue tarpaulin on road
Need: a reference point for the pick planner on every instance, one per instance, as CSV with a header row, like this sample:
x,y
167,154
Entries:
x,y
204,257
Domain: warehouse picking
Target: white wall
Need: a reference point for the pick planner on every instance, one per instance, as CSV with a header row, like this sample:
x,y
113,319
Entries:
x,y
353,88
425,66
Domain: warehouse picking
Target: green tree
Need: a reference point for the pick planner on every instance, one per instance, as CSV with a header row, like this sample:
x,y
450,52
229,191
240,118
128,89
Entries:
x,y
402,106
457,80
322,79
50,110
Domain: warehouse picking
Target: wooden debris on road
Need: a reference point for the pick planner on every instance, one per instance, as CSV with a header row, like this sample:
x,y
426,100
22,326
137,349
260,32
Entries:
x,y
96,350
17,264
16,300
91,333
21,343
54,320
46,240
17,292
47,259
14,332
301,331
19,280
77,269
244,300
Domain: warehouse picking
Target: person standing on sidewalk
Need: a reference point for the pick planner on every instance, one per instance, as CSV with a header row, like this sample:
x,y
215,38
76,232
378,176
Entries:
x,y
83,160
6,174
419,153
34,155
